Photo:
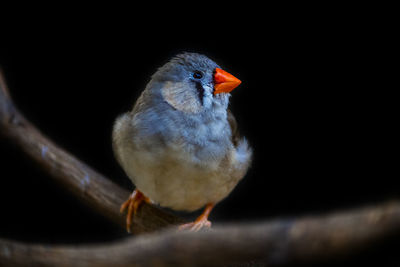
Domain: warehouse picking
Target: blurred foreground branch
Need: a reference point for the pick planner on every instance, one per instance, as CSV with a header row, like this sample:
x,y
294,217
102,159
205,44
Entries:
x,y
271,243
278,242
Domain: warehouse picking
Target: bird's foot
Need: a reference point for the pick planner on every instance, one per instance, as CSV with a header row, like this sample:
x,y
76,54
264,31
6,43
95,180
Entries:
x,y
133,203
196,225
201,222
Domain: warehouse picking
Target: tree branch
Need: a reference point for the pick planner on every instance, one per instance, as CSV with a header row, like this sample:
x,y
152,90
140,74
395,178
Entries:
x,y
277,243
92,188
271,243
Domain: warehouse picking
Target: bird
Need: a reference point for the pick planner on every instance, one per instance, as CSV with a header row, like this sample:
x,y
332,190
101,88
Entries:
x,y
179,144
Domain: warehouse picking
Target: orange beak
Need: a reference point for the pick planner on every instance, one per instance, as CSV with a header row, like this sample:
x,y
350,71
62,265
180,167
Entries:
x,y
224,82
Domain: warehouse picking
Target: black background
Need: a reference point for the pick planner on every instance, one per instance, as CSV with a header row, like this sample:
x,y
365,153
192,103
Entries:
x,y
315,103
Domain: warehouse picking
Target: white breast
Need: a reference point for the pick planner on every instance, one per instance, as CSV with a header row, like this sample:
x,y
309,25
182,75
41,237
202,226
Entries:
x,y
180,175
176,180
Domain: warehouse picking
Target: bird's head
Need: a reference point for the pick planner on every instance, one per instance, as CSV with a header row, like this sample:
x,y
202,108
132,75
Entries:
x,y
192,83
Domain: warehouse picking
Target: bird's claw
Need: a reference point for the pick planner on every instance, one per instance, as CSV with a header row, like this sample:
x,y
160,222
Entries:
x,y
133,203
201,222
195,226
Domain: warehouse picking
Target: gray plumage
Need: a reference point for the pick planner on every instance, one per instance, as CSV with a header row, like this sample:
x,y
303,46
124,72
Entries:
x,y
178,144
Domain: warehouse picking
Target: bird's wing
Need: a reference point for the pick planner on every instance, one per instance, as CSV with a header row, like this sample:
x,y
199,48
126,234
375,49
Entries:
x,y
120,134
234,129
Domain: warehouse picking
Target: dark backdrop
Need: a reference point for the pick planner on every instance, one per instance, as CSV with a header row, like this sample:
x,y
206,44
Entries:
x,y
315,104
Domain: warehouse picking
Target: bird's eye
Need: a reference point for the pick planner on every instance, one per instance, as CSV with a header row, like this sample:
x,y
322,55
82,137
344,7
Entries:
x,y
197,74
